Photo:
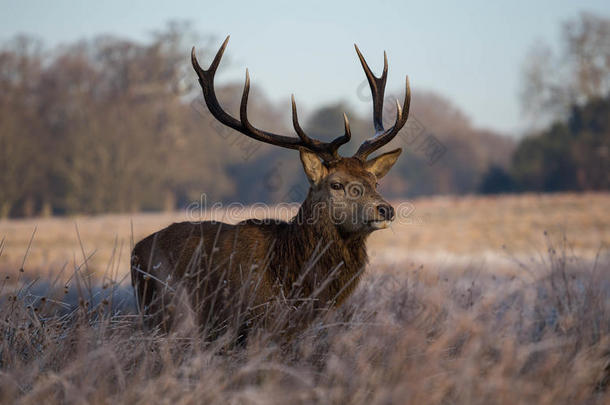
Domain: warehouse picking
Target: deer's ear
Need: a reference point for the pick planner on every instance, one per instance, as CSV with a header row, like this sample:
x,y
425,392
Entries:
x,y
314,169
382,164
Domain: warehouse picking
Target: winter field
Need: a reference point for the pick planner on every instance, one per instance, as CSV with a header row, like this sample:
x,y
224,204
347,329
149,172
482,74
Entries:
x,y
470,300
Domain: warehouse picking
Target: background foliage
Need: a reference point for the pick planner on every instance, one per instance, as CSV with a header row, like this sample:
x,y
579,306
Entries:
x,y
113,125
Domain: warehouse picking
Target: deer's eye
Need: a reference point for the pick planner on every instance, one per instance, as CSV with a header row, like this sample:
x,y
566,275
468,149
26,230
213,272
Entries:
x,y
336,186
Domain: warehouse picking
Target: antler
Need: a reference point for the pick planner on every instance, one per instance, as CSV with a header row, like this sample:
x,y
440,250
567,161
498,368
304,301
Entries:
x,y
377,85
326,151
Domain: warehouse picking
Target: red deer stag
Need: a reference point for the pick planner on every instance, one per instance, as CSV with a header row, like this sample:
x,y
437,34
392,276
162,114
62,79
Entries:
x,y
316,257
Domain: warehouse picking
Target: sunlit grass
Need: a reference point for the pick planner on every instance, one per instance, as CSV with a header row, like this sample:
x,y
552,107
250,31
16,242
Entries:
x,y
476,300
407,335
477,230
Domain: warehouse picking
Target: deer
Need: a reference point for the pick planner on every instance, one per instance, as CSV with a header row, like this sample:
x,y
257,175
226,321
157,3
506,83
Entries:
x,y
230,273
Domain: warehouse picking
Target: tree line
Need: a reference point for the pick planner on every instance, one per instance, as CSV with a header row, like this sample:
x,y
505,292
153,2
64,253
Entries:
x,y
571,88
115,125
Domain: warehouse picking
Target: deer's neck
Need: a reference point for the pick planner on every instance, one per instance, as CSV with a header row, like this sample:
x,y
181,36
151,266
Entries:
x,y
312,244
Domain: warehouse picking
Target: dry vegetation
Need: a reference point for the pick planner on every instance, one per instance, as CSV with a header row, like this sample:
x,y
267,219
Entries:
x,y
469,231
451,331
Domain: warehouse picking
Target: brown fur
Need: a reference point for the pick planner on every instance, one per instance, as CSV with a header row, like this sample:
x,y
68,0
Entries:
x,y
229,275
310,258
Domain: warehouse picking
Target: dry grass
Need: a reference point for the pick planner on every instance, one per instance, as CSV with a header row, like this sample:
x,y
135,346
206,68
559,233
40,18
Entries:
x,y
405,336
466,332
481,231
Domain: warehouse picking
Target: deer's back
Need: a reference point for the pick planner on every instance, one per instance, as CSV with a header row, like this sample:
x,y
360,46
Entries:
x,y
204,257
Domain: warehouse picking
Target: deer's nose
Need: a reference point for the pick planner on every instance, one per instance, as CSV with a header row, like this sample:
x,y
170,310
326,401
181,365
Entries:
x,y
386,211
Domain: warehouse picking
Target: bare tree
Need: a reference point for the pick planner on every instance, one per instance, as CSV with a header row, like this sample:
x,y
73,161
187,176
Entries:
x,y
554,81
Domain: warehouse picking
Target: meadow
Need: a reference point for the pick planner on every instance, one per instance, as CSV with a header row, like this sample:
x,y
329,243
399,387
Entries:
x,y
464,231
470,300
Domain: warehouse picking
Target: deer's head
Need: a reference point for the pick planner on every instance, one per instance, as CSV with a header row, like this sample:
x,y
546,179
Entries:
x,y
343,187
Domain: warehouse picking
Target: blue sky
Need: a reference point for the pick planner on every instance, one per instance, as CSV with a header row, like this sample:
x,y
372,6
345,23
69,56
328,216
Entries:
x,y
470,51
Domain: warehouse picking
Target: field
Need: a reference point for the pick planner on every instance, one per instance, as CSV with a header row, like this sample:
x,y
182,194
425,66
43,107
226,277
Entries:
x,y
440,231
471,300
